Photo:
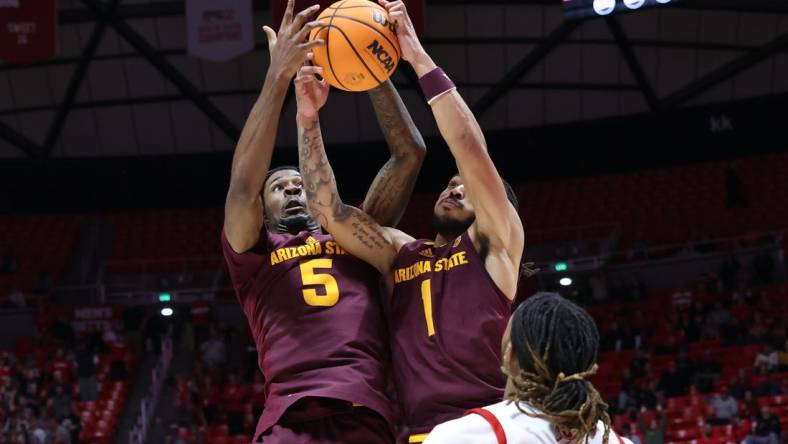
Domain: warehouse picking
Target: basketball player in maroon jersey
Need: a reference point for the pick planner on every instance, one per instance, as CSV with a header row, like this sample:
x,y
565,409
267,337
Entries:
x,y
451,297
314,310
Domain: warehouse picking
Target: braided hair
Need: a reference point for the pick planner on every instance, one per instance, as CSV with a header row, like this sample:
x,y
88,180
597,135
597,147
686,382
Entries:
x,y
556,344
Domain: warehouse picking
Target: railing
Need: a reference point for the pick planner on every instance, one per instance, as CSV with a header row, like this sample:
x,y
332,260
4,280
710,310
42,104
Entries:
x,y
148,404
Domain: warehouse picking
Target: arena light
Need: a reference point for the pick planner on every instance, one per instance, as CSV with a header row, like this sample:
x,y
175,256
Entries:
x,y
565,281
604,7
634,4
165,297
561,266
166,311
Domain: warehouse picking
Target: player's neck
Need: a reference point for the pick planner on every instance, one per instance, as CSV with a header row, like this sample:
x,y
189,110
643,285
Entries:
x,y
442,239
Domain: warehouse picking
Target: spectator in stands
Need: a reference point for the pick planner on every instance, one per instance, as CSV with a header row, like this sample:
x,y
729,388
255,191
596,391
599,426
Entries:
x,y
86,361
741,384
626,402
60,402
759,328
640,365
213,350
672,383
767,428
768,387
235,398
682,299
626,432
729,271
740,429
763,266
72,423
648,397
654,433
767,360
782,358
667,337
725,407
706,435
707,370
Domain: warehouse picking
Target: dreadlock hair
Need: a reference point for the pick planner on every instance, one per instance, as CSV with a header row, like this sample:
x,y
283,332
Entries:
x,y
556,344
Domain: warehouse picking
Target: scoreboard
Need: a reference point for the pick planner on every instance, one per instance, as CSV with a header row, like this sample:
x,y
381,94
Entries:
x,y
578,9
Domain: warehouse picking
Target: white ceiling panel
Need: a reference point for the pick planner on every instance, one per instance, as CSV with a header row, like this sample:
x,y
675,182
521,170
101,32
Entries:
x,y
59,78
452,60
116,131
445,21
523,21
756,81
718,26
420,112
601,63
563,64
109,43
234,108
80,134
677,68
188,67
757,29
6,93
144,27
192,128
594,29
679,25
525,107
722,92
561,106
143,79
222,76
598,104
107,80
483,21
30,87
514,54
254,66
496,116
709,61
632,102
553,17
781,73
35,125
642,25
154,128
68,43
486,63
171,32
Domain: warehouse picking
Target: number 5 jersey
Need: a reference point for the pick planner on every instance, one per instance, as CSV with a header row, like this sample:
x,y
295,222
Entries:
x,y
316,317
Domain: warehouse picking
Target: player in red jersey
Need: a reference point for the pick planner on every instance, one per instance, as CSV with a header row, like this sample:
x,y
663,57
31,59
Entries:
x,y
314,310
451,297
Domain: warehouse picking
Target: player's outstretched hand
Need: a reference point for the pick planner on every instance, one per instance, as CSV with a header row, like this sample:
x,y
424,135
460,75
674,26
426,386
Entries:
x,y
311,92
409,44
289,47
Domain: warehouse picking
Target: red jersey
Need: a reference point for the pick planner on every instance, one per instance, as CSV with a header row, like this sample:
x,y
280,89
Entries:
x,y
317,321
447,320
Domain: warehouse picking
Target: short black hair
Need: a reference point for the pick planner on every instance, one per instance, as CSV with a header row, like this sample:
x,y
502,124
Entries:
x,y
277,169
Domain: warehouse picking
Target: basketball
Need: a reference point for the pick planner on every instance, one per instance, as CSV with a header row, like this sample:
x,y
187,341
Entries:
x,y
361,49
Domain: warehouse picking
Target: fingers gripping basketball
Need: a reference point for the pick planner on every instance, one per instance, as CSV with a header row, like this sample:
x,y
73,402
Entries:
x,y
361,49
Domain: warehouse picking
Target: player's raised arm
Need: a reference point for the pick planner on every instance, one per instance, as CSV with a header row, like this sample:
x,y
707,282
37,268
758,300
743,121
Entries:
x,y
243,211
497,221
354,229
389,193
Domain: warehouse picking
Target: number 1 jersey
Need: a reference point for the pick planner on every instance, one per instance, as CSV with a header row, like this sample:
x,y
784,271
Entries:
x,y
447,320
317,321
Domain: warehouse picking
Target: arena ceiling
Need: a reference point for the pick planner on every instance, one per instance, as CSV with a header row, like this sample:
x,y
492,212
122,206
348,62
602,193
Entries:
x,y
122,83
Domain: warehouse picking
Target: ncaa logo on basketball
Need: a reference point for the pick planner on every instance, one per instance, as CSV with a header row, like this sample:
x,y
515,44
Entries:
x,y
381,55
9,3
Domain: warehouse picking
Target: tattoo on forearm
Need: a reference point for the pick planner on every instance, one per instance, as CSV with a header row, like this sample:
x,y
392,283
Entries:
x,y
321,190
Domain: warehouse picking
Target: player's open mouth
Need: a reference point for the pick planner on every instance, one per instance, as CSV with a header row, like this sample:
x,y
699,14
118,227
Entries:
x,y
294,206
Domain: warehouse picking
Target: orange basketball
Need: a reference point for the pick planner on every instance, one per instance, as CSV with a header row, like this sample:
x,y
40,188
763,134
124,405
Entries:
x,y
361,49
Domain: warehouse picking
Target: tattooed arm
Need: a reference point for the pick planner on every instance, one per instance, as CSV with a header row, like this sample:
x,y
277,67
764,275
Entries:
x,y
352,228
389,193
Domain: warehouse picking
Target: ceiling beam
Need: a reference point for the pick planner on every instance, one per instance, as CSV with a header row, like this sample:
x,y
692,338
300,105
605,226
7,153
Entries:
x,y
104,13
522,67
172,74
725,72
20,141
634,64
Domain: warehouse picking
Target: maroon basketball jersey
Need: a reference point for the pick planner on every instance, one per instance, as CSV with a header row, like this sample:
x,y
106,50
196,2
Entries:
x,y
447,320
317,321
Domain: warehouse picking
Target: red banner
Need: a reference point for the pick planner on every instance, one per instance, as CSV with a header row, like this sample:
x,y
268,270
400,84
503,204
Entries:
x,y
415,10
28,30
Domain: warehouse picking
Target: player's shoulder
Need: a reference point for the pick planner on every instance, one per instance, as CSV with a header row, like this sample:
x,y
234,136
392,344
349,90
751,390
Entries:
x,y
470,429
